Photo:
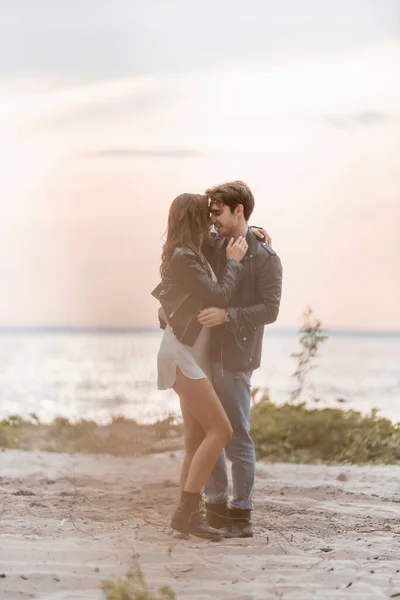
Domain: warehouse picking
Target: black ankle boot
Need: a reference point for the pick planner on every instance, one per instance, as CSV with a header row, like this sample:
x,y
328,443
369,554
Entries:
x,y
189,520
240,525
217,515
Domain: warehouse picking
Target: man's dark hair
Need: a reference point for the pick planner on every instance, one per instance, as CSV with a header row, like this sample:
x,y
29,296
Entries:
x,y
232,194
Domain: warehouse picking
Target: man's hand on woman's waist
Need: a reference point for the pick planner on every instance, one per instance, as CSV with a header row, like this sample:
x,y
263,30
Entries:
x,y
210,317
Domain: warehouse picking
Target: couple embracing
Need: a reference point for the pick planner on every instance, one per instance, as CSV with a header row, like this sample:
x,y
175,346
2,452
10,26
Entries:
x,y
217,292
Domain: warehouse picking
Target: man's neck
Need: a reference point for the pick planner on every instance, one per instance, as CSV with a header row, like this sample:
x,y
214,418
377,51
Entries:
x,y
240,230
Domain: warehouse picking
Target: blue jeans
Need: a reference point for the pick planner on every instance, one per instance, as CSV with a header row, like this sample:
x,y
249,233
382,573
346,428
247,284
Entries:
x,y
233,390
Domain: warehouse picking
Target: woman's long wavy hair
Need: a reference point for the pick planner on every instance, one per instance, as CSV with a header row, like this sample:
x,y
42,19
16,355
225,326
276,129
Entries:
x,y
188,225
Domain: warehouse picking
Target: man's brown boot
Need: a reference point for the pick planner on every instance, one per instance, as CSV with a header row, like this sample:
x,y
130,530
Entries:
x,y
217,515
240,525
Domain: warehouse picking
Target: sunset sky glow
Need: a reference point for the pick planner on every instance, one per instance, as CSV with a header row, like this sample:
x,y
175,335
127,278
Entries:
x,y
108,110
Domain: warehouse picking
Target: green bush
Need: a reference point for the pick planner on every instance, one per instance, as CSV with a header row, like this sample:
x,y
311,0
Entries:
x,y
296,433
120,437
7,435
132,587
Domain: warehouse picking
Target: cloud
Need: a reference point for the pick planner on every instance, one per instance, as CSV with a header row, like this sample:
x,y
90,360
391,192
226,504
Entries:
x,y
144,152
370,118
367,118
98,38
146,97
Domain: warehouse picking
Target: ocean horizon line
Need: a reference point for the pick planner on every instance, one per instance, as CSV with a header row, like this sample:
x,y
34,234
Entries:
x,y
141,330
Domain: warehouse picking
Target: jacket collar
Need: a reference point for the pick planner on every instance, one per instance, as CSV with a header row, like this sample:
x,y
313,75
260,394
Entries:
x,y
252,242
250,239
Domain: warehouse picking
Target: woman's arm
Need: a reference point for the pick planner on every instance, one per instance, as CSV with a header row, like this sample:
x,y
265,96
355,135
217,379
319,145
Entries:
x,y
197,281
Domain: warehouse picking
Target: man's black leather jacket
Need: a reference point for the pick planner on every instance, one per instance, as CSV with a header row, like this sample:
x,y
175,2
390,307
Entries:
x,y
187,287
237,343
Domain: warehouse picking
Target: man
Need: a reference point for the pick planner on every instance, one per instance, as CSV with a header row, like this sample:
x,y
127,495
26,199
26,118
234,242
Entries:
x,y
236,341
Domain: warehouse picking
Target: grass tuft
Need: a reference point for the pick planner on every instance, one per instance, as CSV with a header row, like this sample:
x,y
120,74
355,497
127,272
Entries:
x,y
133,587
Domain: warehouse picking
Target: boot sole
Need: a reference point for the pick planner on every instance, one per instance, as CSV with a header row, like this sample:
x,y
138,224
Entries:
x,y
188,531
229,534
227,537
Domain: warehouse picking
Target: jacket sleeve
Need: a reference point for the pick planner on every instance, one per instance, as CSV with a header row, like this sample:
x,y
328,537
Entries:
x,y
269,288
161,321
198,282
156,294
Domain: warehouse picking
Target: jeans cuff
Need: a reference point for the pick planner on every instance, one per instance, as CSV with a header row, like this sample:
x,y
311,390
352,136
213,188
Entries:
x,y
211,499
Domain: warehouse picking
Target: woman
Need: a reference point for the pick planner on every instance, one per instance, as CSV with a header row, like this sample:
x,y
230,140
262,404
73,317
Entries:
x,y
188,285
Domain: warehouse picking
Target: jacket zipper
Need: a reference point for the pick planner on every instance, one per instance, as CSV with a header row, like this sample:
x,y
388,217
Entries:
x,y
179,305
222,342
174,311
185,330
222,365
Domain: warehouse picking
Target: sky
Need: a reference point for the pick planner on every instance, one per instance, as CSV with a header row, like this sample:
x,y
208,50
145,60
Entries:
x,y
108,110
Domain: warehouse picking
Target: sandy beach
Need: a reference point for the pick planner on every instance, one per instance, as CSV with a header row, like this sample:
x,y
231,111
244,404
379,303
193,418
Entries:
x,y
70,520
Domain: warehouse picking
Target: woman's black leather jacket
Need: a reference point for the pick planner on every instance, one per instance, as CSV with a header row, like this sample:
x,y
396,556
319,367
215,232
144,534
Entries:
x,y
187,287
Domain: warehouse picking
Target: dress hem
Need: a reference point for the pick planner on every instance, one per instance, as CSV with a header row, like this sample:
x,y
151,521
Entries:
x,y
176,365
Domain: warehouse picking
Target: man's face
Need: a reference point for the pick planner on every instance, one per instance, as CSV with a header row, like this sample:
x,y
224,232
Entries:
x,y
223,220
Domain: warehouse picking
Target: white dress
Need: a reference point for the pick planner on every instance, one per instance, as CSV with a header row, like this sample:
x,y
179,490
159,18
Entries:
x,y
193,361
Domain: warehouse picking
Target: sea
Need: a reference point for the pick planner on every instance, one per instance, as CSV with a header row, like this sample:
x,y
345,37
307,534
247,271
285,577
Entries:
x,y
100,374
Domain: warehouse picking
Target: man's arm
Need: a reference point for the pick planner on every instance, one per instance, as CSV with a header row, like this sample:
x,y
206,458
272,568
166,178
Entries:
x,y
261,234
269,289
263,313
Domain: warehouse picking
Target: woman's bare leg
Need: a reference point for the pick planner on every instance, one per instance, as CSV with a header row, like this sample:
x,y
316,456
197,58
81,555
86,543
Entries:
x,y
194,435
199,399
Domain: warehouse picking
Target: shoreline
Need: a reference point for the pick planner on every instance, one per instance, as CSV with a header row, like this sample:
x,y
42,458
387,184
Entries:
x,y
288,433
117,437
149,329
